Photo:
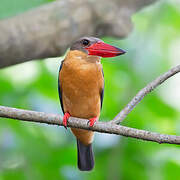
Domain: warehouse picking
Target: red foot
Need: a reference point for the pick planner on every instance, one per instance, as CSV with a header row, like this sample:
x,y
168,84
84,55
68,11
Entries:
x,y
92,121
65,119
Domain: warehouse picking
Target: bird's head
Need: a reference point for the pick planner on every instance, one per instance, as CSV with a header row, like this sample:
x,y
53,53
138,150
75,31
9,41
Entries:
x,y
96,47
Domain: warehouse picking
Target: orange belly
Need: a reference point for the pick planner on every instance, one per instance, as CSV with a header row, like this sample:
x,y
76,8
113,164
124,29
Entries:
x,y
82,104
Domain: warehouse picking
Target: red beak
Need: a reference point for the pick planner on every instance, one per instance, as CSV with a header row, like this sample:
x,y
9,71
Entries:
x,y
104,50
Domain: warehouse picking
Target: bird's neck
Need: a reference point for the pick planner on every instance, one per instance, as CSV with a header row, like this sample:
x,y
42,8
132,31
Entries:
x,y
80,57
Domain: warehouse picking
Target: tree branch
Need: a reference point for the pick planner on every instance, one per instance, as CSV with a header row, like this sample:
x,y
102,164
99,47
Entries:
x,y
103,127
143,92
48,30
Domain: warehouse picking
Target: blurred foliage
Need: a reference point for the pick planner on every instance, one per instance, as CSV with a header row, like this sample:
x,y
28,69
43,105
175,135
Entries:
x,y
35,151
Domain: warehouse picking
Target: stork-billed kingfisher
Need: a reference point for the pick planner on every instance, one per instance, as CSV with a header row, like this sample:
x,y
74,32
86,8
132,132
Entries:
x,y
81,90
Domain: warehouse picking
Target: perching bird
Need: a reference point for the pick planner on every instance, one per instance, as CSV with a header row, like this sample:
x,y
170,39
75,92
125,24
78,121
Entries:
x,y
81,90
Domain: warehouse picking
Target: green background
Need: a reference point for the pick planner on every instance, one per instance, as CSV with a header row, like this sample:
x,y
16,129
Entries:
x,y
35,151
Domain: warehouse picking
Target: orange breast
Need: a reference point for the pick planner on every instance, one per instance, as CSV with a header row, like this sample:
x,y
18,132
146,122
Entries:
x,y
81,84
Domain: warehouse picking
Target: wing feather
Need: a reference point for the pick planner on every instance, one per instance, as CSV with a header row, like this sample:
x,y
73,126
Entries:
x,y
59,87
102,92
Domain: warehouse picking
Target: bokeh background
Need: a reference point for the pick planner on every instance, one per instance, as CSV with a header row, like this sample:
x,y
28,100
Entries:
x,y
42,152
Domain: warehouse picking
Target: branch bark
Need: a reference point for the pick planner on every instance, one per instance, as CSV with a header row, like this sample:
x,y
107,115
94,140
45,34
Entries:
x,y
48,30
103,127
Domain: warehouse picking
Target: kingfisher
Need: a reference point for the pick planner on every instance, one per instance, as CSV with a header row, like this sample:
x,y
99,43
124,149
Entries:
x,y
81,90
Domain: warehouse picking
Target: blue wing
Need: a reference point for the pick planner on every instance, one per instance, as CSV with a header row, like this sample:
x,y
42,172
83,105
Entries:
x,y
59,88
102,92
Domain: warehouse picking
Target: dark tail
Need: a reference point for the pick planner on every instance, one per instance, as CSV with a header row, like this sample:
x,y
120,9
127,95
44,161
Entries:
x,y
85,157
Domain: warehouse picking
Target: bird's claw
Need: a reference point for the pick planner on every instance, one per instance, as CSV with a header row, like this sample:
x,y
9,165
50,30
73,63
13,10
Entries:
x,y
65,119
92,121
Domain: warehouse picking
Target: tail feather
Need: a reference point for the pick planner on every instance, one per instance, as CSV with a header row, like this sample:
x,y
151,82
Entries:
x,y
85,156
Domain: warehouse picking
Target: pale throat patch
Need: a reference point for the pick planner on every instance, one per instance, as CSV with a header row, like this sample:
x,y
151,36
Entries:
x,y
78,57
90,58
95,59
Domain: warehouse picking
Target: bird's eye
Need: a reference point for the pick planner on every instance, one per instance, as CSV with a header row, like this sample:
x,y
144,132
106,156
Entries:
x,y
85,42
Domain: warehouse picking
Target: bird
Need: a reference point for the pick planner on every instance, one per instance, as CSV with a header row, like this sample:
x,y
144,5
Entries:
x,y
81,90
